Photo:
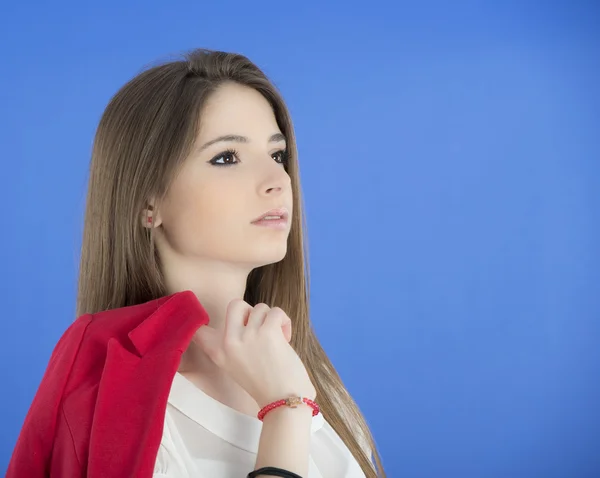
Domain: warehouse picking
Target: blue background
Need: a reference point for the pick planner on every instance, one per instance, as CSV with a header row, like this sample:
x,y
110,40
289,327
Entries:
x,y
450,157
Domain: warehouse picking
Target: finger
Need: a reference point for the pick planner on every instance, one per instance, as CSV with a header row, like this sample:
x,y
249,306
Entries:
x,y
236,317
287,329
277,318
257,316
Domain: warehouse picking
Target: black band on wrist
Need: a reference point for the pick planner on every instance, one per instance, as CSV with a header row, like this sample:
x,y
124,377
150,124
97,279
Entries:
x,y
272,471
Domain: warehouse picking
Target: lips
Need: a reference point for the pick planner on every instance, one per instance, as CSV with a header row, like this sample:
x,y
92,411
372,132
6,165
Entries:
x,y
280,214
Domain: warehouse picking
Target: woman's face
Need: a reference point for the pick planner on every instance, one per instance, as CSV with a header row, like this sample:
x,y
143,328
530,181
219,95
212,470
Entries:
x,y
234,174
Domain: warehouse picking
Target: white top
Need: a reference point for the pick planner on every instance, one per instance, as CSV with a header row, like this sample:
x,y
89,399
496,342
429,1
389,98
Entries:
x,y
204,438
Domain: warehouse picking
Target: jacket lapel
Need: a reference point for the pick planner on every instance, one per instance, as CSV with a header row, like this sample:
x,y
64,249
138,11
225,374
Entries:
x,y
135,384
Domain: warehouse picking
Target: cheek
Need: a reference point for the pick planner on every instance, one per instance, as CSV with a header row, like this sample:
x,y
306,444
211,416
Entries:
x,y
204,215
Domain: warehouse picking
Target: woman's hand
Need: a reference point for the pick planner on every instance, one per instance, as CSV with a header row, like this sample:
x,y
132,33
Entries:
x,y
253,348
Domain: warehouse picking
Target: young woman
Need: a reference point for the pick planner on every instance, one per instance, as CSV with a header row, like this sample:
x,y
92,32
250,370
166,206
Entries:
x,y
193,354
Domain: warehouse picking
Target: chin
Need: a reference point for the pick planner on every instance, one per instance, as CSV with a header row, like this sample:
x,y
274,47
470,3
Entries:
x,y
265,258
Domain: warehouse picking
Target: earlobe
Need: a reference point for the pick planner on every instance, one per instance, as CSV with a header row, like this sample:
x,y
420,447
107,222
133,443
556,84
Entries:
x,y
149,217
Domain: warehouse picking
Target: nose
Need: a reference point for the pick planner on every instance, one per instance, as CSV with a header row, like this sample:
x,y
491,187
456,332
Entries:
x,y
275,181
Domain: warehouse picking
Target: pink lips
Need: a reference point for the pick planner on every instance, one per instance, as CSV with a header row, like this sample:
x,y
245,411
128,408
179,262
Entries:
x,y
275,218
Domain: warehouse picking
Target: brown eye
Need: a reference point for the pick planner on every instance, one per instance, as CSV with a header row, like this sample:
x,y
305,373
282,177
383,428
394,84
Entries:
x,y
226,158
280,156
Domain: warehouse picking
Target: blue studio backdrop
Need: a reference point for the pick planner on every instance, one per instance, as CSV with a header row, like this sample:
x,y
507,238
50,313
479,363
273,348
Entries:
x,y
450,159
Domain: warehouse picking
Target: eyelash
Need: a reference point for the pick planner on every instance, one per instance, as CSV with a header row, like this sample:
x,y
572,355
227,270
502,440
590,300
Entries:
x,y
232,152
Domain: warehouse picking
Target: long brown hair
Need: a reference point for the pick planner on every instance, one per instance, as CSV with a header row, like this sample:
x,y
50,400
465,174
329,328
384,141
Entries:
x,y
144,136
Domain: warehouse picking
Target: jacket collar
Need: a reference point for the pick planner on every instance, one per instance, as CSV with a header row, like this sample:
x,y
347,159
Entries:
x,y
132,394
171,326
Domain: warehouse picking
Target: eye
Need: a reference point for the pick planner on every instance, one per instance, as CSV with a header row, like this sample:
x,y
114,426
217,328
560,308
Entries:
x,y
226,158
281,156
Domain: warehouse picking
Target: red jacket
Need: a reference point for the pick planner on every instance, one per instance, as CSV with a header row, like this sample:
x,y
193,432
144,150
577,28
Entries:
x,y
99,410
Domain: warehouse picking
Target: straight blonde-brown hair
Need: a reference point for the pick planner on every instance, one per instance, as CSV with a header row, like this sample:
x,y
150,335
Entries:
x,y
144,135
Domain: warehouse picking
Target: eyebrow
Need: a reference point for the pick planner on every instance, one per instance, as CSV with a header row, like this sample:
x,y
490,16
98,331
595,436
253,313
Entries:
x,y
275,138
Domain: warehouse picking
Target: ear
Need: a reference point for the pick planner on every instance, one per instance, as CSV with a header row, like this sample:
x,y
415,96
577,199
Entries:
x,y
150,217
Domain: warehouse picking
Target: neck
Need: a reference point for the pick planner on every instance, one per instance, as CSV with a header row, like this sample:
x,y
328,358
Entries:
x,y
215,285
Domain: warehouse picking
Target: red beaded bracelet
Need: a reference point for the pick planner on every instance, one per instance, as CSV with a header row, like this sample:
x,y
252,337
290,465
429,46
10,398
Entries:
x,y
291,402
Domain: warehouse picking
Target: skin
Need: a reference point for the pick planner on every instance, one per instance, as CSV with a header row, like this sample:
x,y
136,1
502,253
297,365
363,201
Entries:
x,y
204,234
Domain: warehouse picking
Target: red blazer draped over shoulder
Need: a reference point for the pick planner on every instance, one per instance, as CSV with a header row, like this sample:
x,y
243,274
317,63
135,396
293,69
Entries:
x,y
99,411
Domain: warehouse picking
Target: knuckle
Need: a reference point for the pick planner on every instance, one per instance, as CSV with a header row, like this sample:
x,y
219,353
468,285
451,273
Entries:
x,y
277,316
236,305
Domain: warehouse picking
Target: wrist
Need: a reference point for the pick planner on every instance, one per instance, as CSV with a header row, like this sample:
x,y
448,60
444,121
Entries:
x,y
302,413
291,402
271,397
